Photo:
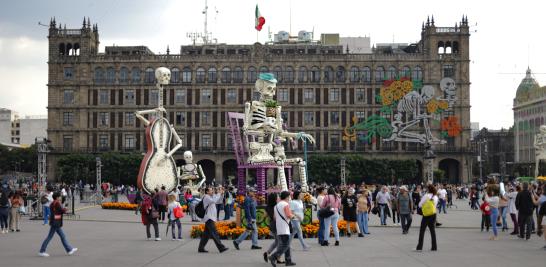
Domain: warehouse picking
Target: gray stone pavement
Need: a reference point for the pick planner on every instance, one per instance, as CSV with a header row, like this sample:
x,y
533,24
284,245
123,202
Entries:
x,y
103,242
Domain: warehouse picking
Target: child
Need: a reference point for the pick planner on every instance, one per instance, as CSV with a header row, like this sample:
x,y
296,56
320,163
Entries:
x,y
486,215
174,216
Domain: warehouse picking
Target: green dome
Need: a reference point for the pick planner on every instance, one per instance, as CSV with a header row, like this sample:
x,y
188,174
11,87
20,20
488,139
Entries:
x,y
526,87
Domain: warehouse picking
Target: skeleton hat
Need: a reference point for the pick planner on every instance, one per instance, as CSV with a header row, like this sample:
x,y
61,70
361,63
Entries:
x,y
270,77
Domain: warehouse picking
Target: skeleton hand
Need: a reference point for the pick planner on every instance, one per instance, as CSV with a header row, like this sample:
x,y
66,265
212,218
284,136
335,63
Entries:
x,y
162,110
306,136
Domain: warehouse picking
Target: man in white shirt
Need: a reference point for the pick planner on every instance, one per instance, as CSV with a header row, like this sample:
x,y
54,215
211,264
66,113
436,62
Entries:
x,y
46,209
283,215
210,200
383,200
442,193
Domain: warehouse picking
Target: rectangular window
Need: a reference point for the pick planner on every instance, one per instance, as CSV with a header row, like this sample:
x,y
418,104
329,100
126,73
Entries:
x,y
206,96
360,116
68,73
309,117
103,118
229,143
334,141
377,93
180,118
67,142
282,95
284,116
182,139
103,141
334,117
205,118
129,119
206,141
130,141
130,96
68,118
309,95
180,96
334,95
231,96
154,97
103,97
449,71
68,97
360,95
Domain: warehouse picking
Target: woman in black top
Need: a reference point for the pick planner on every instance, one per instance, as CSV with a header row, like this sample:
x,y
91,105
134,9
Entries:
x,y
349,201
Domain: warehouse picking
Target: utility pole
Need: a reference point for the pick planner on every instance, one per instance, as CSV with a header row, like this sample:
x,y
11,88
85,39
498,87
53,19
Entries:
x,y
343,181
42,149
98,197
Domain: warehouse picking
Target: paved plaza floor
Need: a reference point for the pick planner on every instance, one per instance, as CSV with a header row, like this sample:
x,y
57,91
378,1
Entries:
x,y
116,238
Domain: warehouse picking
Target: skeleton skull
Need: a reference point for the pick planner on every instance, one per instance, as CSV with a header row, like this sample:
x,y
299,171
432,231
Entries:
x,y
188,157
163,75
267,89
448,86
543,129
427,92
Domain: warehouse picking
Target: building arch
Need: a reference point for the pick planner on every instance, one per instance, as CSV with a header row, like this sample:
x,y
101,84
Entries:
x,y
62,49
212,76
209,169
441,47
251,75
175,75
328,74
451,168
229,171
277,71
288,75
354,74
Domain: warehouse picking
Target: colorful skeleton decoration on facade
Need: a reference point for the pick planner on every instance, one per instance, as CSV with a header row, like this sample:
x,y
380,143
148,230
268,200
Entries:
x,y
263,127
158,167
410,104
540,147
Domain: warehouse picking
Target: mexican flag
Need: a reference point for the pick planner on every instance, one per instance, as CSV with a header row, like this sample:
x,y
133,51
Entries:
x,y
260,21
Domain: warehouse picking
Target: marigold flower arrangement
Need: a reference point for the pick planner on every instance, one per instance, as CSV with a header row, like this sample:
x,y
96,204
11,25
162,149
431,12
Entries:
x,y
118,206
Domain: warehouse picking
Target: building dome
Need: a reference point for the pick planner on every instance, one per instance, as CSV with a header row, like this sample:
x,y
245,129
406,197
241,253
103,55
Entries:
x,y
527,87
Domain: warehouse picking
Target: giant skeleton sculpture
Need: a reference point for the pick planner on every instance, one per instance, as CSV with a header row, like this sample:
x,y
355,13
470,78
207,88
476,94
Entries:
x,y
190,172
265,130
540,148
158,167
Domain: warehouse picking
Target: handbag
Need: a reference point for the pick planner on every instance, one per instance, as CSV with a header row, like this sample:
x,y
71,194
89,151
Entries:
x,y
326,211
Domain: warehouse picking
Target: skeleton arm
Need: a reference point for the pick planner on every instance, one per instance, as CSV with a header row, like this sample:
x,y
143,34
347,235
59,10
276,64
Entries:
x,y
140,114
178,140
248,116
202,174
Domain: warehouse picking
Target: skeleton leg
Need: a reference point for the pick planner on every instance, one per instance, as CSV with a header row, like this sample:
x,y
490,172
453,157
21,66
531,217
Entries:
x,y
281,177
303,174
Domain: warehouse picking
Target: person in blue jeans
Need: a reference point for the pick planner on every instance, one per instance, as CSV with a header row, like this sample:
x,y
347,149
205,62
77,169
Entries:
x,y
383,199
250,215
229,199
56,224
492,197
46,209
321,193
362,209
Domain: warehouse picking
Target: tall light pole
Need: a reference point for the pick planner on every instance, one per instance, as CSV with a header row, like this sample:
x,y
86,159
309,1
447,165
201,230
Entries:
x,y
484,141
343,181
98,197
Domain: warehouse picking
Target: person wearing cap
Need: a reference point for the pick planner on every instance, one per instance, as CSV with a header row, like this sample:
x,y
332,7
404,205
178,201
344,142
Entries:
x,y
405,208
249,206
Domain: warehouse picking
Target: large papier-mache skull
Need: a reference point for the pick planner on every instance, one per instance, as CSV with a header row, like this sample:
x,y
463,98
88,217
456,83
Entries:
x,y
266,85
163,75
448,86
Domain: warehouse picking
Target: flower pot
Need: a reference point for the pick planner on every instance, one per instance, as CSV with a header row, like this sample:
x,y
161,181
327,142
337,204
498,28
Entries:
x,y
271,112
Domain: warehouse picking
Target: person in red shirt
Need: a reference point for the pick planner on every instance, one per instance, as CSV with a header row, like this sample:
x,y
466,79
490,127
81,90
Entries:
x,y
56,224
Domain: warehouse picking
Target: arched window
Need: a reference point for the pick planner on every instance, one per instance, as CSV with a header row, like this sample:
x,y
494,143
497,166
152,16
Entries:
x,y
62,49
110,75
99,75
251,75
379,74
328,74
448,48
302,76
277,71
417,74
68,49
455,48
200,75
264,69
186,75
212,76
391,73
226,75
340,74
288,74
76,49
441,47
123,75
135,75
354,74
175,75
405,72
149,76
366,75
314,74
238,75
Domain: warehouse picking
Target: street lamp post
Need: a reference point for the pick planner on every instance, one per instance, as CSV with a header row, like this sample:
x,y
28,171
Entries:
x,y
484,141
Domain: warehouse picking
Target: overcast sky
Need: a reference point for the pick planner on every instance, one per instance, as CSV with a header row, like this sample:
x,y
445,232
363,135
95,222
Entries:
x,y
507,36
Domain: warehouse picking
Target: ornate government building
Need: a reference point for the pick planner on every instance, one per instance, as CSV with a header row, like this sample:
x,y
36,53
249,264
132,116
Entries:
x,y
92,94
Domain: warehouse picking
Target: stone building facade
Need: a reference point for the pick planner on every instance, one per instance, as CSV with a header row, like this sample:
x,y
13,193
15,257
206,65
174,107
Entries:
x,y
529,114
92,95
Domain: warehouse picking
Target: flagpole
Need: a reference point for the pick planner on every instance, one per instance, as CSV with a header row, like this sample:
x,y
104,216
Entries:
x,y
257,36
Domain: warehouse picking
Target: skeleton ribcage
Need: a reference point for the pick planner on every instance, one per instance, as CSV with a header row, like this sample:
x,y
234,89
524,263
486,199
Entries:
x,y
409,103
258,116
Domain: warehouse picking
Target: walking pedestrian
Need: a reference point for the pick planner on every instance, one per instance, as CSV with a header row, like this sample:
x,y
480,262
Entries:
x,y
175,214
503,208
249,206
210,199
297,208
149,211
405,208
333,202
56,224
4,208
282,223
161,198
512,208
46,201
272,200
382,200
228,203
492,197
442,197
428,208
525,203
320,198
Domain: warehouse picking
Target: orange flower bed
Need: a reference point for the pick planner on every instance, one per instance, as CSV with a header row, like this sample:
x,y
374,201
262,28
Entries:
x,y
119,206
228,230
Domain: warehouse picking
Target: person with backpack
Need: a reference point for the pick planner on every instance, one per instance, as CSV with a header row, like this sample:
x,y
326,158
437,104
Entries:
x,y
206,209
149,210
405,208
56,224
427,205
175,214
249,206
